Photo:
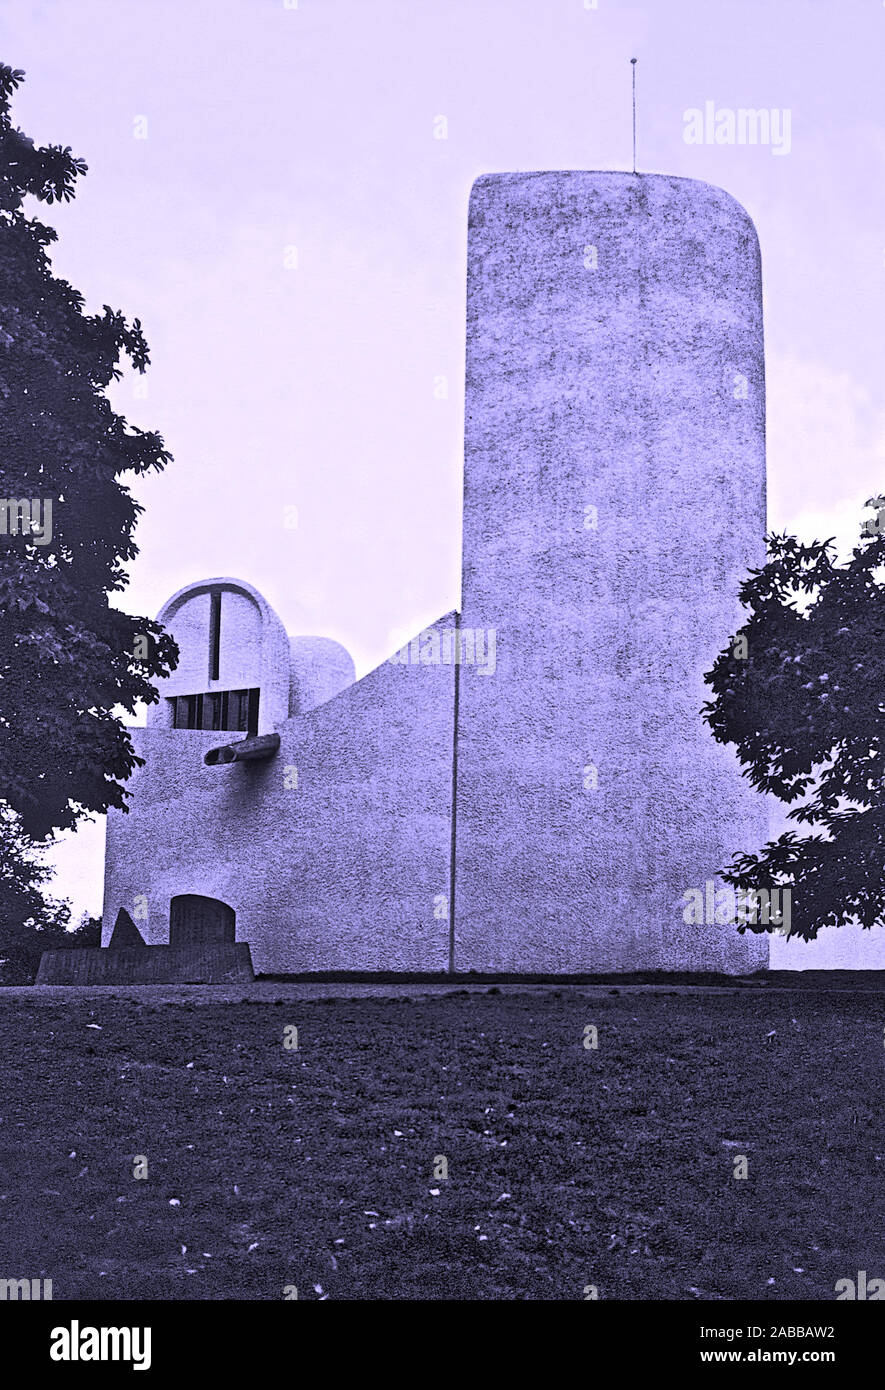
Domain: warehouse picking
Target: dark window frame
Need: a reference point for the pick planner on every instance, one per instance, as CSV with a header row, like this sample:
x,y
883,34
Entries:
x,y
240,717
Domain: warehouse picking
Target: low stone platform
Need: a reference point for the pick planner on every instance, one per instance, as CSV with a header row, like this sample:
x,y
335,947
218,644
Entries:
x,y
215,964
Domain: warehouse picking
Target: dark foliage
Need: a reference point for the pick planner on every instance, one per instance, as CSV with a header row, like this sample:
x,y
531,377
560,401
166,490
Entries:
x,y
67,658
804,708
69,661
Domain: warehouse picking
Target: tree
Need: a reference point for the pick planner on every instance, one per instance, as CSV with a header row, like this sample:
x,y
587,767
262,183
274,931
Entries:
x,y
803,700
68,660
30,923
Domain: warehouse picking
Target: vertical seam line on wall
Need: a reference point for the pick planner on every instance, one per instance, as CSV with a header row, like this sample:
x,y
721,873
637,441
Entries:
x,y
454,816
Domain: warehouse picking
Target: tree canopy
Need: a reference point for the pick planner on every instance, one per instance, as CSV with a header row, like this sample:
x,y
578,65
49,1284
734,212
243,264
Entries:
x,y
802,698
68,660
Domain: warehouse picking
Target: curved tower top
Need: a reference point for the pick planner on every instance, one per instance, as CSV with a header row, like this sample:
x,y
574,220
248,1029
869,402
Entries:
x,y
614,496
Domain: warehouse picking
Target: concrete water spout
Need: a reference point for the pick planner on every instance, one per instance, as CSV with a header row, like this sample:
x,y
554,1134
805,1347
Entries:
x,y
245,750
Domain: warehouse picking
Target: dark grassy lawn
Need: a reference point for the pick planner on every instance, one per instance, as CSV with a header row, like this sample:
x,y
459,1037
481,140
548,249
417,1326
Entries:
x,y
567,1166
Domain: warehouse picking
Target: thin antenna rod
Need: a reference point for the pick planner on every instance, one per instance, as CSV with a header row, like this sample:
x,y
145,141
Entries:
x,y
633,62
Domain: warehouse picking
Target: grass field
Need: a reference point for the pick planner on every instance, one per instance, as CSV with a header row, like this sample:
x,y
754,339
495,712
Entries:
x,y
567,1166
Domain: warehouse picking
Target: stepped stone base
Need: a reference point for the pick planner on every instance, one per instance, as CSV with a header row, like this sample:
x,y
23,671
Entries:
x,y
210,964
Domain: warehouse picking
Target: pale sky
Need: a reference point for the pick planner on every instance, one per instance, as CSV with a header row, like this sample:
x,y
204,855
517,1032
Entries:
x,y
312,385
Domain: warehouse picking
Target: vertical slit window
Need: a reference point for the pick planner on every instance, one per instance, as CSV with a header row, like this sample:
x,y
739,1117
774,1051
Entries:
x,y
239,711
211,712
214,635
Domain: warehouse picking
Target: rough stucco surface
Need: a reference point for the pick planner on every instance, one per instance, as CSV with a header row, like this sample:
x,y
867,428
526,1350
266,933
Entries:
x,y
253,651
318,669
334,854
610,387
614,497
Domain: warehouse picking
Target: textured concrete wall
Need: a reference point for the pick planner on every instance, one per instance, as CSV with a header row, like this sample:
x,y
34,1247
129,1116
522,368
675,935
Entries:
x,y
614,495
318,669
253,650
335,854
